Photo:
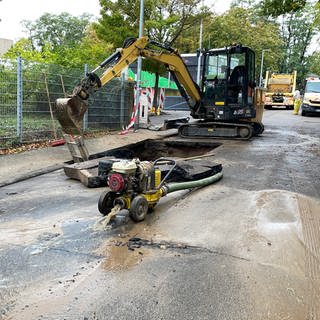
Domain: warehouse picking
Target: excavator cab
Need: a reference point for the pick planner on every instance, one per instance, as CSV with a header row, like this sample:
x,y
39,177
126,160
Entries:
x,y
228,83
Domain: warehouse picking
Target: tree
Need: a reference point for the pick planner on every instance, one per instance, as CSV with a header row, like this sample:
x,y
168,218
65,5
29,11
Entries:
x,y
164,21
241,25
246,4
299,23
24,48
62,30
61,39
188,42
297,28
314,63
91,51
317,14
276,8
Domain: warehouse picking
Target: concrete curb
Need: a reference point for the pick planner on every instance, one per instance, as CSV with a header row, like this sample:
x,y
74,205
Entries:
x,y
31,174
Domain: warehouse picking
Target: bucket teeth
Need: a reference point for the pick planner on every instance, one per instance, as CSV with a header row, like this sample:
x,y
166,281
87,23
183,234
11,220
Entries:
x,y
69,112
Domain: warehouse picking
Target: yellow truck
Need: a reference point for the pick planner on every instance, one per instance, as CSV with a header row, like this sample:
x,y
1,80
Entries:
x,y
280,88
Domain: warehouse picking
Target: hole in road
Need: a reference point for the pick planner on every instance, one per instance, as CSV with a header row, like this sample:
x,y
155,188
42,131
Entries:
x,y
152,149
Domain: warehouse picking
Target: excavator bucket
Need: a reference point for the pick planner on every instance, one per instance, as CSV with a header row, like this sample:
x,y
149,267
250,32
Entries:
x,y
69,112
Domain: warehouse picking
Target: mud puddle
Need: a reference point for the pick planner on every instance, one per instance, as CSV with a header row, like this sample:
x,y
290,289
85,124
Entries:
x,y
281,139
117,253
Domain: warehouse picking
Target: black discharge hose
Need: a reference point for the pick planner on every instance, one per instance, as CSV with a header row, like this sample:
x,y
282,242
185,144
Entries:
x,y
176,186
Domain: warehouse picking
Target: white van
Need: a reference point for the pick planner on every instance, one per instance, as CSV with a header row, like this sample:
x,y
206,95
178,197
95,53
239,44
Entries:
x,y
311,97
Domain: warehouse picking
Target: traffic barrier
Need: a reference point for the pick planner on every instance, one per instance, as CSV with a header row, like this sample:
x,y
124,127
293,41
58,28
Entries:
x,y
161,101
150,95
134,114
143,105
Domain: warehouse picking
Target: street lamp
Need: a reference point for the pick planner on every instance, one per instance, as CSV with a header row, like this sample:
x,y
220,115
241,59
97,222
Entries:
x,y
261,67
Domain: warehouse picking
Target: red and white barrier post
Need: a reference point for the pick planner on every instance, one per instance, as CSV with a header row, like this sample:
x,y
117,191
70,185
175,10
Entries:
x,y
133,115
143,105
150,95
161,101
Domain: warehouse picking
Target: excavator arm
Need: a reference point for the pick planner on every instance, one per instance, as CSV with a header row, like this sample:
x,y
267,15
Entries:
x,y
70,111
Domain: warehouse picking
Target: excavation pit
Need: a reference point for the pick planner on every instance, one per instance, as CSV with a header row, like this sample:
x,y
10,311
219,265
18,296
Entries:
x,y
146,150
152,149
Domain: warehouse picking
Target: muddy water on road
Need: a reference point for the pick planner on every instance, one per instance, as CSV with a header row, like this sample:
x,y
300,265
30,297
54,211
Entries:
x,y
27,231
272,238
283,241
257,231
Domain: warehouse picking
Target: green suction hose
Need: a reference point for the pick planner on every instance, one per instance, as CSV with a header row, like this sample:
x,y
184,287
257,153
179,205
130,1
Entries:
x,y
176,186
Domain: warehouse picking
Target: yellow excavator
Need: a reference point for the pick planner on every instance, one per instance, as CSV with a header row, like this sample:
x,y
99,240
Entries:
x,y
227,103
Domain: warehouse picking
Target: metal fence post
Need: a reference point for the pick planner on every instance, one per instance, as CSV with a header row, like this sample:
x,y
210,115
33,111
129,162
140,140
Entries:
x,y
19,98
85,118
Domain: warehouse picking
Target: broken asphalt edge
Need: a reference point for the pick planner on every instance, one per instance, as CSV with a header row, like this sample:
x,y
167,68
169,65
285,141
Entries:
x,y
55,167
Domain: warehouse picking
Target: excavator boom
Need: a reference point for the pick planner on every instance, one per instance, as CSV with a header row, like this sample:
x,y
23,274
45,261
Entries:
x,y
70,111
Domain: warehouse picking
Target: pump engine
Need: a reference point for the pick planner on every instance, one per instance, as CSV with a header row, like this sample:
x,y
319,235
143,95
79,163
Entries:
x,y
136,186
133,184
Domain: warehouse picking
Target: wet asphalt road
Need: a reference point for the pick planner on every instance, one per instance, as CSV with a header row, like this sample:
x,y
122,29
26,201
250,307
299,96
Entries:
x,y
250,242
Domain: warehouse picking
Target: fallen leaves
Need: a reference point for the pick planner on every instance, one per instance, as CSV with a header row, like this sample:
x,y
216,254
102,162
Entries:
x,y
25,147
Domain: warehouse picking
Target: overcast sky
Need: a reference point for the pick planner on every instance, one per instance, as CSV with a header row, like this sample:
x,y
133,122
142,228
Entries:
x,y
12,12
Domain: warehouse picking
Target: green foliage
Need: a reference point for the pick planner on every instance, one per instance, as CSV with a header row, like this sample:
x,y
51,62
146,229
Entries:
x,y
297,31
277,8
247,4
56,30
313,62
90,50
170,18
284,28
23,48
118,20
188,42
164,20
61,39
240,25
317,14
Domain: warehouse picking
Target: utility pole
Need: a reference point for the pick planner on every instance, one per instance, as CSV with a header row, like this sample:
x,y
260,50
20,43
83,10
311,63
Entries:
x,y
136,123
200,48
261,67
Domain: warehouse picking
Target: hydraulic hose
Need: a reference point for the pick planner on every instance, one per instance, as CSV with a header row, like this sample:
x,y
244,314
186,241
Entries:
x,y
176,186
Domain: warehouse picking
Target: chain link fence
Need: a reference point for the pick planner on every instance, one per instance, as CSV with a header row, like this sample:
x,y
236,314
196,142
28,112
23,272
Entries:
x,y
28,92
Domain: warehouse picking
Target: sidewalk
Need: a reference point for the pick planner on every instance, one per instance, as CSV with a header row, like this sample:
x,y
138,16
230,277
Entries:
x,y
21,166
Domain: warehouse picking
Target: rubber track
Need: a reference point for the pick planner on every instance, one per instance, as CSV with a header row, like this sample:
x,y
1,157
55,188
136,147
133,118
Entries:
x,y
217,124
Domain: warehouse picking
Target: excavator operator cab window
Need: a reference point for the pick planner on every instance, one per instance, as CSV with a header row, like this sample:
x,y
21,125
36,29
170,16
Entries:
x,y
215,78
241,80
236,79
228,77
